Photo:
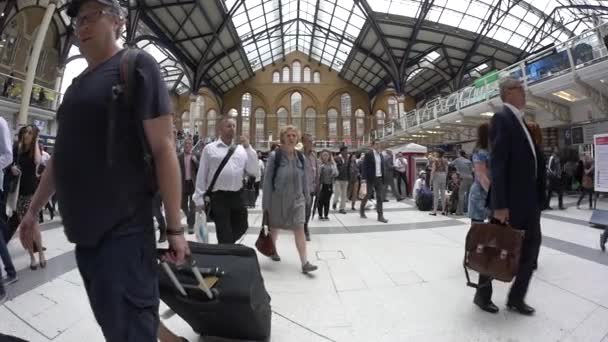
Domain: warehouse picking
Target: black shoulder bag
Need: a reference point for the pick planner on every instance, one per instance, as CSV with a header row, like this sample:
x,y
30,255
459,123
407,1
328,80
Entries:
x,y
208,192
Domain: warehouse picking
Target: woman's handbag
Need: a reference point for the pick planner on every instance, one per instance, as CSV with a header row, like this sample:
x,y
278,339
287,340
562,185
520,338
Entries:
x,y
13,197
202,232
264,243
363,191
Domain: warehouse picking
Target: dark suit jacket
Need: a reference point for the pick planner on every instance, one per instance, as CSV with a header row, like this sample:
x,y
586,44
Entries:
x,y
369,166
512,168
193,167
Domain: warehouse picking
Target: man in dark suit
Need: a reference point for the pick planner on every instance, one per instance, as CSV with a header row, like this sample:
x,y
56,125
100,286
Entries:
x,y
373,174
514,194
188,164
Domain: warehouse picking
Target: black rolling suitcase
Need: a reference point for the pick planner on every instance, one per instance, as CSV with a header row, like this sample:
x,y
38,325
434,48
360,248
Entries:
x,y
237,307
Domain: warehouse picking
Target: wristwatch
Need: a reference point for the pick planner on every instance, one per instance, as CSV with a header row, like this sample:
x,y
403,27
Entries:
x,y
176,231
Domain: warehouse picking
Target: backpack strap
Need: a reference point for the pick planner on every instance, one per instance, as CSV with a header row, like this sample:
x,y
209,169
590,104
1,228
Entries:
x,y
125,91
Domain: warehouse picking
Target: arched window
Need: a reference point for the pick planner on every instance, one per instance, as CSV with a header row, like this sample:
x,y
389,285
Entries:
x,y
186,121
296,110
286,75
260,133
311,119
393,108
317,77
233,113
211,117
332,124
245,114
296,69
306,75
282,118
380,117
276,77
347,112
360,122
200,104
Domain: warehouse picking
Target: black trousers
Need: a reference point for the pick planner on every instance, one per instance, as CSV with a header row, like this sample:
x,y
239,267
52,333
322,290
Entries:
x,y
402,177
374,185
529,255
324,198
188,206
583,192
230,215
555,185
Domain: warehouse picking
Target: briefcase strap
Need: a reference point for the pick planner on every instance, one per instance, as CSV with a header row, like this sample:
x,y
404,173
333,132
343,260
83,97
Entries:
x,y
466,272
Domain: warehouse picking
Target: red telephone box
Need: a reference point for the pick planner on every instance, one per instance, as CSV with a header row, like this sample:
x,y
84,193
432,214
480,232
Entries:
x,y
416,156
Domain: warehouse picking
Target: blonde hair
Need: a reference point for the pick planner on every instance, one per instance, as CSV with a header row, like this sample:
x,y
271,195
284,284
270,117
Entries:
x,y
286,129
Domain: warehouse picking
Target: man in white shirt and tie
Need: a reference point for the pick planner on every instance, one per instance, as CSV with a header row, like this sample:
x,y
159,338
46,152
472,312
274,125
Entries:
x,y
227,206
514,194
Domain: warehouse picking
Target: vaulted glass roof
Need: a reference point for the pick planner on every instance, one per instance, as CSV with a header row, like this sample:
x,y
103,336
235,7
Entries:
x,y
325,29
414,46
522,24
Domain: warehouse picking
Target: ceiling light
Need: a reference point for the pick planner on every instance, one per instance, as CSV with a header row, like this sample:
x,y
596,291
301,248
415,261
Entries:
x,y
433,132
459,121
602,81
419,136
488,114
437,126
569,95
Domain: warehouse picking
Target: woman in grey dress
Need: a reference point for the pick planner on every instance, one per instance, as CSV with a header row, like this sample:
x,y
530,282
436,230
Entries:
x,y
284,197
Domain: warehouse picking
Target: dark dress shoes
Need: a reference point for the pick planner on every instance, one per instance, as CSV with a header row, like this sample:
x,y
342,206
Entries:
x,y
486,306
522,308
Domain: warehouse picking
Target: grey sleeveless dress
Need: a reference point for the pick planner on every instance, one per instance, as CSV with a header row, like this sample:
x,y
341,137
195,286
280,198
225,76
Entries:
x,y
286,201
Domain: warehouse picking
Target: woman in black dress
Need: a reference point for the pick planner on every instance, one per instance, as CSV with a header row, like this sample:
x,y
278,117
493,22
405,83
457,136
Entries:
x,y
26,158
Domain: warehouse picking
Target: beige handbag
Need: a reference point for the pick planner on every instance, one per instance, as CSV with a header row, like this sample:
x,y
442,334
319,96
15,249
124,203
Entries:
x,y
363,191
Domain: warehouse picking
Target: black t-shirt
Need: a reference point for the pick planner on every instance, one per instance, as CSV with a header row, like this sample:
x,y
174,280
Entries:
x,y
96,199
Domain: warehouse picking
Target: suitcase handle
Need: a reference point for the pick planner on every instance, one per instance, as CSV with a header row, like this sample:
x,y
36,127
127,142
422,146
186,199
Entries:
x,y
202,285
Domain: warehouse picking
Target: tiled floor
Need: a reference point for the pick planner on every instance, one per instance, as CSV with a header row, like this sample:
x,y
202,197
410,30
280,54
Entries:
x,y
401,281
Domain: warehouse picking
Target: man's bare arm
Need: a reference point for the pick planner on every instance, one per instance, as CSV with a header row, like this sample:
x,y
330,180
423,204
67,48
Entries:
x,y
159,134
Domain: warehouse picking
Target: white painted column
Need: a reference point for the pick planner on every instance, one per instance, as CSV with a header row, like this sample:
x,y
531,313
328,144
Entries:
x,y
58,84
33,63
193,113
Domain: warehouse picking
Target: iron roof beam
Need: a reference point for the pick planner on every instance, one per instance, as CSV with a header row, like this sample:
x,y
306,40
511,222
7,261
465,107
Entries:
x,y
167,5
424,10
488,25
281,23
394,70
6,11
312,36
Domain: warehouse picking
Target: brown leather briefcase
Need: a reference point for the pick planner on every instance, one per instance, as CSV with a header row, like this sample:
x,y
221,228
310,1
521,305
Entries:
x,y
493,250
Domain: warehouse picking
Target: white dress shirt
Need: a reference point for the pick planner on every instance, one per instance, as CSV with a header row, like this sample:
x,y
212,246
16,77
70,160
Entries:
x,y
6,148
231,178
378,164
520,117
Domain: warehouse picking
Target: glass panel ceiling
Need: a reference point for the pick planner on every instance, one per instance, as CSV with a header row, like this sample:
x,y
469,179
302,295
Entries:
x,y
517,28
270,29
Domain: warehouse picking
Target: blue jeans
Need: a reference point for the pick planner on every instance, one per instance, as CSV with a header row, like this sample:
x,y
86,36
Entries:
x,y
120,277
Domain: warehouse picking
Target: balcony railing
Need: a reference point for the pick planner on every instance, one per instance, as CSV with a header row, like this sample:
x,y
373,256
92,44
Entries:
x,y
583,50
42,97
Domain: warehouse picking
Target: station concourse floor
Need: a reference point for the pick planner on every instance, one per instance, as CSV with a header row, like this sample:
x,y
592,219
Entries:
x,y
401,281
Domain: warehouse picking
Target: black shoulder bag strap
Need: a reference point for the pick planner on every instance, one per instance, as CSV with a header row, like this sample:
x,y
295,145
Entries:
x,y
219,170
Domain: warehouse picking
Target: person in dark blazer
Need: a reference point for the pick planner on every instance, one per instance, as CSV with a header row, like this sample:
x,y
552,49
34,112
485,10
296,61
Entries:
x,y
188,164
373,172
514,195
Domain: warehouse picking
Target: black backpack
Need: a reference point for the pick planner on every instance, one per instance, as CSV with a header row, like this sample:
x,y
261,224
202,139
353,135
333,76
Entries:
x,y
124,93
277,162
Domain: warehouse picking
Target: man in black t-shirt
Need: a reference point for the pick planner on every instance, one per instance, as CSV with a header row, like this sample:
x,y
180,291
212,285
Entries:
x,y
107,208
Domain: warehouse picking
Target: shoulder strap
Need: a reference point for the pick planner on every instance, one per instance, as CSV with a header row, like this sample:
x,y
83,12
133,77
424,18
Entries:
x,y
127,78
219,169
276,165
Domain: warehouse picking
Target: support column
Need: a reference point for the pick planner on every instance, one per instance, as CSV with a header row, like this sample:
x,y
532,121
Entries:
x,y
58,84
33,63
193,113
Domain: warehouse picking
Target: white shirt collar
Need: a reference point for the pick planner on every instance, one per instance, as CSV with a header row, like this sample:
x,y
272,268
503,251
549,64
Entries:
x,y
518,113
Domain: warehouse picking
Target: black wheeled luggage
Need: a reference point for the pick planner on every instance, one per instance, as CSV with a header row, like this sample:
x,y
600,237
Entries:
x,y
240,306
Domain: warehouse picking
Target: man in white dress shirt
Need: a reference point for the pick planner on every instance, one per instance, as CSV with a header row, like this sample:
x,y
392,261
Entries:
x,y
227,206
